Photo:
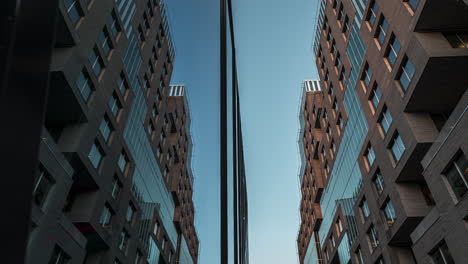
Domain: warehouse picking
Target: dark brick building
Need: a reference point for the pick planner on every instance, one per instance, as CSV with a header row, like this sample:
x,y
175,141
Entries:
x,y
114,184
385,139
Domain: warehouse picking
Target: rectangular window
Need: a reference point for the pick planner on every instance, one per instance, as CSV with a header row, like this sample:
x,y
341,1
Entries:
x,y
392,51
340,13
59,256
382,30
338,60
380,260
379,182
130,213
364,209
74,10
150,128
389,211
358,255
339,226
106,128
95,61
96,154
370,155
441,254
412,3
154,111
114,24
123,241
106,216
141,35
346,26
156,228
85,85
372,237
397,147
343,77
116,187
385,120
146,82
114,104
340,122
373,11
42,186
123,161
333,48
367,75
105,42
406,74
376,95
457,176
122,84
457,40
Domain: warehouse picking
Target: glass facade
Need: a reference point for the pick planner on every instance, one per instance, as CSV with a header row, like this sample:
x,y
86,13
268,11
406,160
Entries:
x,y
345,176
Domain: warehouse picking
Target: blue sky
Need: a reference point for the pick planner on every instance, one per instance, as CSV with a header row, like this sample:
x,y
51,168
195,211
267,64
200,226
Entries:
x,y
274,56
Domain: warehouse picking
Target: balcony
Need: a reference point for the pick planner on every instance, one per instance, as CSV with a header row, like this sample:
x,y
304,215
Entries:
x,y
64,109
317,216
440,15
439,68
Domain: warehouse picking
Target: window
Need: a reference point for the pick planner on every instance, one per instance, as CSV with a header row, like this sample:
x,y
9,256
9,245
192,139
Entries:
x,y
159,151
116,187
389,211
42,186
385,120
156,228
123,241
59,256
340,122
367,75
139,256
382,30
346,26
158,97
74,10
130,213
150,128
145,23
96,154
406,74
364,209
161,82
457,40
441,254
339,226
166,172
154,111
114,104
376,95
397,147
106,216
123,160
358,255
141,35
379,182
372,237
457,176
163,243
95,61
392,51
106,128
374,10
333,147
114,24
105,41
146,82
343,77
332,241
412,3
333,48
122,84
370,155
340,13
150,69
154,54
338,60
85,85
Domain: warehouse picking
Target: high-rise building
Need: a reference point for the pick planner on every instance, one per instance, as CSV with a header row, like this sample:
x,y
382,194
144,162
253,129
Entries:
x,y
114,183
384,171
